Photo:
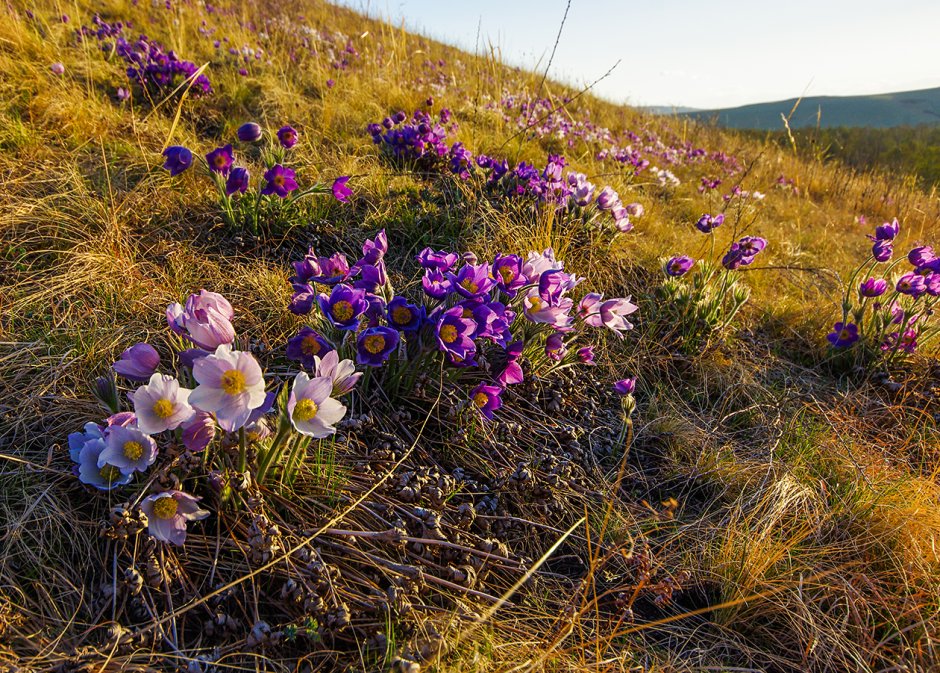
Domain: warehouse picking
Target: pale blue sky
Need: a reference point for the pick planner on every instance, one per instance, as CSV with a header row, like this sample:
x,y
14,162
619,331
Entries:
x,y
696,53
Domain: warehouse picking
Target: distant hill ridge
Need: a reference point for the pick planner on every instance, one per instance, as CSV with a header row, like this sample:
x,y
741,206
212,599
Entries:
x,y
906,108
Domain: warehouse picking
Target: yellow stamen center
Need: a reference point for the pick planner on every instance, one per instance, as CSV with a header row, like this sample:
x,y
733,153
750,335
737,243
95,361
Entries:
x,y
448,334
310,346
844,334
278,180
233,382
165,507
374,343
305,410
469,285
133,450
506,274
535,303
162,409
480,399
342,310
401,315
109,473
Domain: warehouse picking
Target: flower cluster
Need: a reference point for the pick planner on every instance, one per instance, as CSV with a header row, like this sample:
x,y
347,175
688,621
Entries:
x,y
425,143
155,70
695,306
889,319
276,192
217,396
479,318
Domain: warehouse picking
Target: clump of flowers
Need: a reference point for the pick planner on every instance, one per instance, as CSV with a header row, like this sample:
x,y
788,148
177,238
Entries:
x,y
477,319
154,70
274,197
216,404
887,310
701,298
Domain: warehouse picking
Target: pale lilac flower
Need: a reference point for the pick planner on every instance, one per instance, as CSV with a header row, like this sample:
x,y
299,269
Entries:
x,y
128,449
311,409
161,404
198,431
167,515
103,477
231,386
342,373
138,363
206,319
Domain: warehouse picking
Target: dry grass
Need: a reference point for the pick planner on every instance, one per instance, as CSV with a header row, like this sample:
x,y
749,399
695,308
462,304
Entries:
x,y
803,531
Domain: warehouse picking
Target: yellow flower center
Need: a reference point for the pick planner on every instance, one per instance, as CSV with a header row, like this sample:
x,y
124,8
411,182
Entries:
x,y
506,274
165,507
480,399
535,303
162,408
342,310
467,313
220,161
844,334
278,180
448,334
233,382
133,450
469,285
401,315
305,410
374,343
310,346
109,473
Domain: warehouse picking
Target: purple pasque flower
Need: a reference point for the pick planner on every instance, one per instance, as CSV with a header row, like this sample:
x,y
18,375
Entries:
x,y
220,160
404,316
621,219
237,181
279,181
326,270
634,209
486,399
582,190
507,270
249,132
843,335
708,223
912,284
104,476
128,449
437,260
206,320
472,280
138,363
625,387
307,346
539,310
538,263
743,252
873,287
311,409
231,386
678,266
436,284
373,251
455,333
287,136
882,250
161,404
586,355
555,347
375,344
511,373
198,431
178,159
372,276
608,198
168,513
553,284
921,256
91,433
493,320
932,284
303,299
343,306
342,373
57,68
906,343
611,313
887,231
340,191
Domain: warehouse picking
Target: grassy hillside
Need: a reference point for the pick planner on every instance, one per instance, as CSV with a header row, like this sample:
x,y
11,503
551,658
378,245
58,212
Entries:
x,y
906,108
762,500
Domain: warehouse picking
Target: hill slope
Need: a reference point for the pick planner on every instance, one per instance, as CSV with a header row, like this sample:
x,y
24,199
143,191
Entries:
x,y
463,487
907,108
